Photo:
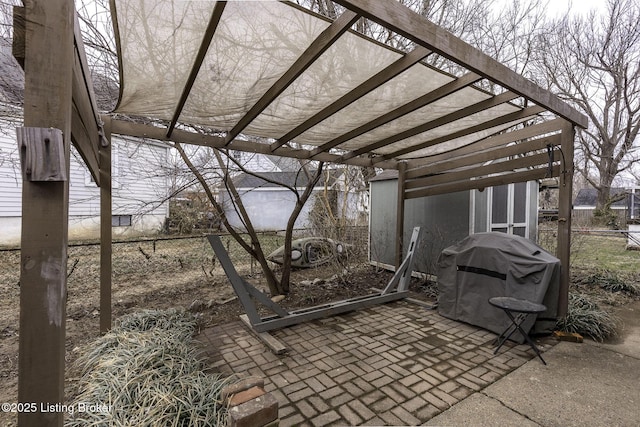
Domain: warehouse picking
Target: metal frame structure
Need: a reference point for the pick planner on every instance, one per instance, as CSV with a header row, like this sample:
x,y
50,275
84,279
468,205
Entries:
x,y
397,288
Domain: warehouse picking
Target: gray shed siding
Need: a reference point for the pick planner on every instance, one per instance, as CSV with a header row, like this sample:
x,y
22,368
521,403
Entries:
x,y
444,220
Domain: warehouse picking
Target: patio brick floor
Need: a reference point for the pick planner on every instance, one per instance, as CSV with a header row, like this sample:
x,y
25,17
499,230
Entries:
x,y
393,364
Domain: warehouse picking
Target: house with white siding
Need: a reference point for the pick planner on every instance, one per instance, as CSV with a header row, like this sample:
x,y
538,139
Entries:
x,y
140,190
140,182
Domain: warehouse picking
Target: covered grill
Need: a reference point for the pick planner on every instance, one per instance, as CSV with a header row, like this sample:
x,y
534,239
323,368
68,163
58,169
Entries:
x,y
487,265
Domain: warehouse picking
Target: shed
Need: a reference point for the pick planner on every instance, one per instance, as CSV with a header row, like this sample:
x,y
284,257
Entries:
x,y
269,202
448,218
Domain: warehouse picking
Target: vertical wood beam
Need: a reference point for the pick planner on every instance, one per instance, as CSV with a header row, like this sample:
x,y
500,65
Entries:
x,y
402,171
565,194
45,208
104,157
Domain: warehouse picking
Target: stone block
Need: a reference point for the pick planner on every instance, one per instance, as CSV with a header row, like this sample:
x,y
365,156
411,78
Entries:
x,y
246,395
257,412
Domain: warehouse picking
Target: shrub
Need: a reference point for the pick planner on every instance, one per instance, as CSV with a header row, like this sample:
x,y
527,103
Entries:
x,y
146,371
585,317
612,282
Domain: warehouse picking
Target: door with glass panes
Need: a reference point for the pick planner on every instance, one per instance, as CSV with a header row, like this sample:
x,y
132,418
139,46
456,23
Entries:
x,y
509,209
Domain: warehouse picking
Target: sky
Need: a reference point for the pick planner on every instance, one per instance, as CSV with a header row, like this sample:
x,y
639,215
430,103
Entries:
x,y
578,6
559,7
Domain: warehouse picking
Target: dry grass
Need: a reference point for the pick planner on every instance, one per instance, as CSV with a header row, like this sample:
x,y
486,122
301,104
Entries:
x,y
147,368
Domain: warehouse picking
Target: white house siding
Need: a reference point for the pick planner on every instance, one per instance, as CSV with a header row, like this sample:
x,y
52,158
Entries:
x,y
140,189
268,208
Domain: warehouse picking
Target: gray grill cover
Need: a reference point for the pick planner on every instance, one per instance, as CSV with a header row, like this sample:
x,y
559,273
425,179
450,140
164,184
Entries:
x,y
487,265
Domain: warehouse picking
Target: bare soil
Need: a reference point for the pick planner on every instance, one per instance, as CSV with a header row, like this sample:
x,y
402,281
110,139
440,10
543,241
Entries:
x,y
166,274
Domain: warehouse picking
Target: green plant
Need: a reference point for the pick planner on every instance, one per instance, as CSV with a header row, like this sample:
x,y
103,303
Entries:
x,y
587,318
606,217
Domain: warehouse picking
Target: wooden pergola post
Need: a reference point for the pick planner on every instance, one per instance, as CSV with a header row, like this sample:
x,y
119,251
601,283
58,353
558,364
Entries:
x,y
104,156
402,170
49,51
565,195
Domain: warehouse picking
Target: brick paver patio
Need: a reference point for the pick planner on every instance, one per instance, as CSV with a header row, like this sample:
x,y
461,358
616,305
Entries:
x,y
393,364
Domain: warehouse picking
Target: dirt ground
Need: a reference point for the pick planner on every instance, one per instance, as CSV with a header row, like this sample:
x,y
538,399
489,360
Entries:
x,y
163,274
158,276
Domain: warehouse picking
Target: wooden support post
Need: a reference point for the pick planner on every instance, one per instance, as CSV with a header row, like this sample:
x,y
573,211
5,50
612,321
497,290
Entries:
x,y
565,195
402,169
45,207
104,158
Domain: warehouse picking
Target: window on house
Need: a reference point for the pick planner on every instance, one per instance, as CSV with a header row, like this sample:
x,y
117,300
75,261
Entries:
x,y
121,220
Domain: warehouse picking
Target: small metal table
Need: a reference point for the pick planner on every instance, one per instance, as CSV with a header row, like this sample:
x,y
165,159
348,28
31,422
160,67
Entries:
x,y
523,308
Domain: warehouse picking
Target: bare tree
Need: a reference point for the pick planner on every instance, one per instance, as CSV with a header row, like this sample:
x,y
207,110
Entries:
x,y
253,246
594,63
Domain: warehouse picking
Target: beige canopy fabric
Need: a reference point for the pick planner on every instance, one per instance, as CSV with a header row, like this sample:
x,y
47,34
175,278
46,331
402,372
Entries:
x,y
272,77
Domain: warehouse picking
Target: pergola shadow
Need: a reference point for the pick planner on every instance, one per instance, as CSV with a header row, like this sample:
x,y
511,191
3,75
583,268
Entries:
x,y
397,364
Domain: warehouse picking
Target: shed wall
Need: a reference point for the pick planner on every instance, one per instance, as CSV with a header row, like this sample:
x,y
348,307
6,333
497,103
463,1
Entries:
x,y
269,209
445,219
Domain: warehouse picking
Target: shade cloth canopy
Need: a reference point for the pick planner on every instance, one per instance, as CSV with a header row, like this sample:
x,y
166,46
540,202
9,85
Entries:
x,y
272,77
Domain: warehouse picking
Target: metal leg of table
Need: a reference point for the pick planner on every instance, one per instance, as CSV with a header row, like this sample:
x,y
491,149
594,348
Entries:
x,y
516,325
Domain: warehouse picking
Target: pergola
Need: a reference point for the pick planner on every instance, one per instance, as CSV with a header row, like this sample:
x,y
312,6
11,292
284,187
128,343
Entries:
x,y
264,77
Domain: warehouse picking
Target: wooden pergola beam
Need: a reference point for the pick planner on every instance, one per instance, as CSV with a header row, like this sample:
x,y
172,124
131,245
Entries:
x,y
500,152
106,230
377,80
440,121
534,160
85,120
485,144
212,26
419,29
308,57
402,168
565,205
407,108
49,62
158,133
498,121
523,176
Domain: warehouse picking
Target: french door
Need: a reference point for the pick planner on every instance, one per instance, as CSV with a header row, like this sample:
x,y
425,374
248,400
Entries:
x,y
509,209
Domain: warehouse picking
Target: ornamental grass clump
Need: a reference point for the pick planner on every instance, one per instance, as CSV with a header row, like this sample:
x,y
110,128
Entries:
x,y
146,371
585,317
612,282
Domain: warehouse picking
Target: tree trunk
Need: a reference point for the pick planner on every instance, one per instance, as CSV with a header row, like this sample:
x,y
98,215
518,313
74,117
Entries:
x,y
301,201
